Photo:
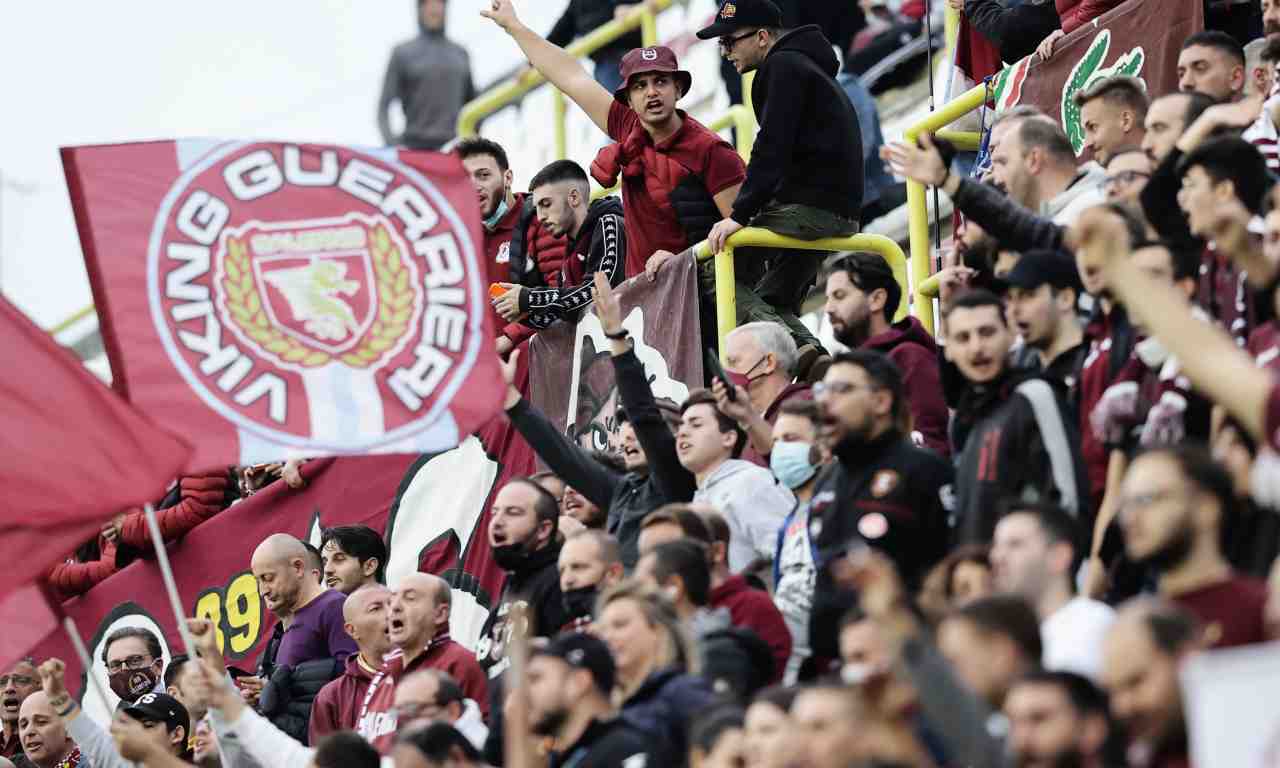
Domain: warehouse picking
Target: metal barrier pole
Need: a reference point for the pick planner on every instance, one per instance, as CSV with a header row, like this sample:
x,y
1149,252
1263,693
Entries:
x,y
917,214
726,295
560,110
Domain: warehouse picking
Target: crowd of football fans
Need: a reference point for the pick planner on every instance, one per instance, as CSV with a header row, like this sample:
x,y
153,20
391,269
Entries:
x,y
991,546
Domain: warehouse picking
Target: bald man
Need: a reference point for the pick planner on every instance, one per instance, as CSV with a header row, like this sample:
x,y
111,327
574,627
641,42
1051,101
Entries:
x,y
309,637
44,737
419,632
337,706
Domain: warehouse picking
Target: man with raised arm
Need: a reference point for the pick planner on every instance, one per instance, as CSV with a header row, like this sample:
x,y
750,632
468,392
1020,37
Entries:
x,y
678,178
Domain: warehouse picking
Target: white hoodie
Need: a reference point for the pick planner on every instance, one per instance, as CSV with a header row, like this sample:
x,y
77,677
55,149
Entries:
x,y
753,503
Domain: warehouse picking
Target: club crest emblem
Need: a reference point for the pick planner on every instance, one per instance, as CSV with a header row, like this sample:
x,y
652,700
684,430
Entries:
x,y
648,54
883,483
728,11
287,281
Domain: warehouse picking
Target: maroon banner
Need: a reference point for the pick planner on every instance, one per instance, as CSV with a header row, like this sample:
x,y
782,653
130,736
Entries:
x,y
279,299
661,315
432,510
64,432
1141,38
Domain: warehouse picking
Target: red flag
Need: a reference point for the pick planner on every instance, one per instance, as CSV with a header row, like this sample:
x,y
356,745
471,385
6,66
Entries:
x,y
74,452
28,614
281,299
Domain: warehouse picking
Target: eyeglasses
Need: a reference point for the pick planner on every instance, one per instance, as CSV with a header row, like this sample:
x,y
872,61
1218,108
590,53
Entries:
x,y
412,710
1145,500
20,681
1125,177
825,388
131,662
727,43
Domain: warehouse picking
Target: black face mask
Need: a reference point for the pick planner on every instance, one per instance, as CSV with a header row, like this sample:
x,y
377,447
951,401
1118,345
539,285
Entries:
x,y
512,557
580,603
129,684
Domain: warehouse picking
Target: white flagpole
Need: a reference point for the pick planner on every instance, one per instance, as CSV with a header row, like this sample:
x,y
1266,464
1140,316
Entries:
x,y
175,601
69,624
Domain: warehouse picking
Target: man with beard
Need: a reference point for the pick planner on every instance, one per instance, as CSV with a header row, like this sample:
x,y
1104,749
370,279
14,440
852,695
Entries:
x,y
519,249
20,682
354,556
653,474
1212,63
309,645
1146,646
1033,161
567,692
882,491
862,298
561,196
1059,720
589,563
677,176
1172,505
522,537
1044,288
45,743
337,706
418,630
430,76
1010,431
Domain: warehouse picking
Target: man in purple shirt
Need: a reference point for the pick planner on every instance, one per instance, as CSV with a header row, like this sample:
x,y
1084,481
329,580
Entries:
x,y
309,646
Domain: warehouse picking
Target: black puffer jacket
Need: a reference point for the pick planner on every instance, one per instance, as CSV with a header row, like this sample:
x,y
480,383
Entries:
x,y
809,148
287,697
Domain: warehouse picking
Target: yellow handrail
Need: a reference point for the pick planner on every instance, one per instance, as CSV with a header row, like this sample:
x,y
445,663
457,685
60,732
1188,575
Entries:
x,y
726,293
511,91
917,214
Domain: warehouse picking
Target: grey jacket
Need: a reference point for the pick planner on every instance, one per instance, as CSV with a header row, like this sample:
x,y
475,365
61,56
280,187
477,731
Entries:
x,y
754,505
430,76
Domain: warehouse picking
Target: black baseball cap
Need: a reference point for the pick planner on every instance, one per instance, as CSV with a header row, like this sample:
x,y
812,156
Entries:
x,y
582,651
160,708
1036,268
738,14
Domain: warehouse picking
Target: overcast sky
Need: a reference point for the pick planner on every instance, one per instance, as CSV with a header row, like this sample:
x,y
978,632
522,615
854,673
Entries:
x,y
85,73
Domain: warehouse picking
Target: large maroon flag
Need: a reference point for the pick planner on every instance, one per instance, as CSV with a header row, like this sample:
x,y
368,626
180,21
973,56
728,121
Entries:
x,y
74,452
280,299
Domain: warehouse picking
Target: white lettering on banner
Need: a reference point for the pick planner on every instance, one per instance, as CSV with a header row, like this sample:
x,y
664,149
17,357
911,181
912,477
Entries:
x,y
294,172
368,284
202,217
253,176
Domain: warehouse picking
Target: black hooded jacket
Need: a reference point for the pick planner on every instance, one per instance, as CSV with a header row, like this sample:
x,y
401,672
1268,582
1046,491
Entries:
x,y
809,148
600,246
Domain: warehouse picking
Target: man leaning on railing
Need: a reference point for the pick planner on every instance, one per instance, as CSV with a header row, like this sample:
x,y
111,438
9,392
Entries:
x,y
805,176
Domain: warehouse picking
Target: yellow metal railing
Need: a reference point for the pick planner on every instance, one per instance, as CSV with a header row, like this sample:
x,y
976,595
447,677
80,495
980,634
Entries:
x,y
917,213
511,91
726,291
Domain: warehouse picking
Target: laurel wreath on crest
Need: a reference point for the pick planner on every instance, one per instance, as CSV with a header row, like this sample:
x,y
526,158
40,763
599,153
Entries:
x,y
395,305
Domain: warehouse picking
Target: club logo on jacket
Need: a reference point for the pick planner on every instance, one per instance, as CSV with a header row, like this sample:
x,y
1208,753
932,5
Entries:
x,y
873,525
275,318
504,253
884,482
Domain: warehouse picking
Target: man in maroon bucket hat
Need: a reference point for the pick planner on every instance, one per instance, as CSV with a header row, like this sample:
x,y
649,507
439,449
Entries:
x,y
678,178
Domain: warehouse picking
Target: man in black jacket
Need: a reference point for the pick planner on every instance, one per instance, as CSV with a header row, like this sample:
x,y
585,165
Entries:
x,y
653,476
582,17
1011,435
805,175
597,237
882,491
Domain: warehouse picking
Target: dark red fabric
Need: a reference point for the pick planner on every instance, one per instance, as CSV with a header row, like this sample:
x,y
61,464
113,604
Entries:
x,y
10,744
976,57
202,497
1094,380
546,250
72,578
911,347
1224,293
337,705
1076,13
1231,610
375,722
74,452
753,609
651,171
1264,345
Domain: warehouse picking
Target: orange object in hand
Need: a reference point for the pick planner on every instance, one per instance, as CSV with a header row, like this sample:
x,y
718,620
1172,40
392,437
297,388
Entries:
x,y
496,290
